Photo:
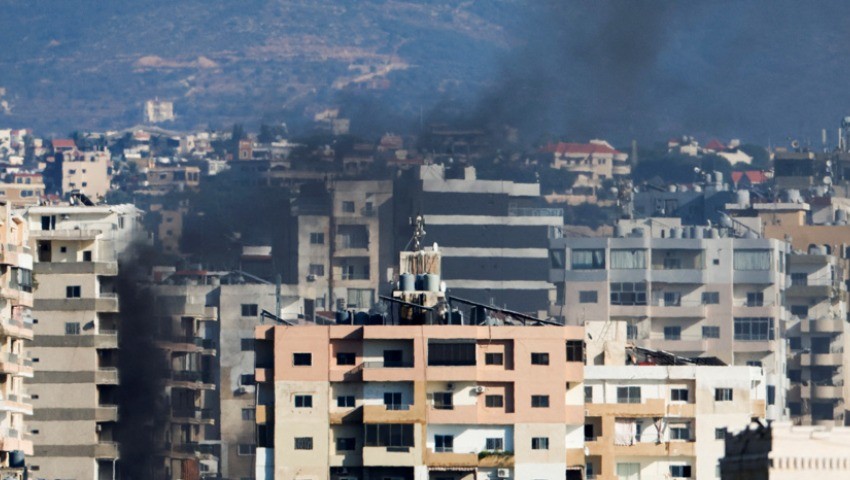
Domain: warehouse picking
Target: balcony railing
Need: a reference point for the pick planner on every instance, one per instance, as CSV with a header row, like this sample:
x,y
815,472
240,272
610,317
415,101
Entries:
x,y
535,212
387,364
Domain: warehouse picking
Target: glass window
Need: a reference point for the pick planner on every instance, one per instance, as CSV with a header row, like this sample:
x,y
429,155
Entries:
x,y
494,359
710,332
317,269
540,401
631,332
755,299
710,298
317,238
345,444
753,328
303,443
540,443
672,299
628,395
495,444
494,401
249,310
799,279
345,358
720,433
628,293
303,401
588,296
72,328
575,351
73,291
680,432
673,332
628,259
722,394
679,394
588,259
389,435
451,354
345,401
680,471
539,358
801,311
748,260
302,359
444,443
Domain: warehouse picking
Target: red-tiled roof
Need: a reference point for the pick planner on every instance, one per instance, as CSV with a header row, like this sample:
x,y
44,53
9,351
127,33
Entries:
x,y
62,143
578,148
715,145
754,176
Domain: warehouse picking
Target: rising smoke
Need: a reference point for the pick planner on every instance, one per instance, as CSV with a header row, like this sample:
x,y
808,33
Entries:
x,y
142,368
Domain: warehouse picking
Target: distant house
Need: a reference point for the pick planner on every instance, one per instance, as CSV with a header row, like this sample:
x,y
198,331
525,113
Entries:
x,y
597,159
61,145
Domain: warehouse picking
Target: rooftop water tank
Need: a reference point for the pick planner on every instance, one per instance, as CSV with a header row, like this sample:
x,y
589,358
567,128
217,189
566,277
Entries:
x,y
743,197
432,282
407,282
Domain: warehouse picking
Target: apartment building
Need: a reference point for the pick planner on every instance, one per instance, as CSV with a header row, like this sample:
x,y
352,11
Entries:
x,y
342,239
495,251
23,190
76,336
186,336
782,451
16,331
417,397
157,111
87,172
817,338
686,290
654,420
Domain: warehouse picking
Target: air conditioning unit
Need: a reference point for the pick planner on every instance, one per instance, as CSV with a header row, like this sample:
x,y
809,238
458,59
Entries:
x,y
450,386
503,473
240,391
478,389
311,278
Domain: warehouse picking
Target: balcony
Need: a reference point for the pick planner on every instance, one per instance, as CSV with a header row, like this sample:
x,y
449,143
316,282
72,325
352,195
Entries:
x,y
106,339
10,254
660,310
188,344
679,276
17,296
18,325
13,439
392,414
106,449
106,302
15,403
106,413
682,343
379,371
194,416
821,359
77,268
809,291
391,457
106,376
76,234
15,364
822,325
822,392
190,379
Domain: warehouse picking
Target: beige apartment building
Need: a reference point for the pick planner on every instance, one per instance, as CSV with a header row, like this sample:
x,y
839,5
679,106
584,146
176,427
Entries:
x,y
24,189
16,331
421,395
87,172
76,337
686,290
341,264
654,421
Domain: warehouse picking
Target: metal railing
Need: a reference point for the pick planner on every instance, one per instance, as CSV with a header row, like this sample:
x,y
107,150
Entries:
x,y
535,212
383,364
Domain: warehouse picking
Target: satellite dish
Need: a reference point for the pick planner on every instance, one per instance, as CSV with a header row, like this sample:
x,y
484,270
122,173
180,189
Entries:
x,y
829,163
795,144
827,180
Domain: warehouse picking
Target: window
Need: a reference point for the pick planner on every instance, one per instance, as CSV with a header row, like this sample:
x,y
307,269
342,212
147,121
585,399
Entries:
x,y
628,259
588,296
389,435
631,332
795,343
72,328
801,311
681,471
303,401
575,351
539,358
317,238
247,379
247,449
588,259
393,359
348,207
443,400
317,269
720,433
494,401
248,414
755,299
673,332
679,395
753,328
87,256
443,443
360,297
754,363
495,444
345,358
799,279
21,279
303,443
588,394
249,310
73,291
302,359
628,293
451,354
710,332
345,444
247,344
722,394
748,260
345,401
494,359
710,298
628,394
540,401
540,443
771,394
672,299
680,432
392,401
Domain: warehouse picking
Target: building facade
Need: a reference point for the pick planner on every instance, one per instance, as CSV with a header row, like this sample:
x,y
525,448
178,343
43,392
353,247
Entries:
x,y
683,290
76,324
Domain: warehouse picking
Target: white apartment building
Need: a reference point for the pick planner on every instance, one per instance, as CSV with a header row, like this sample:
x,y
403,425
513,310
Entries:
x,y
87,172
686,290
665,422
